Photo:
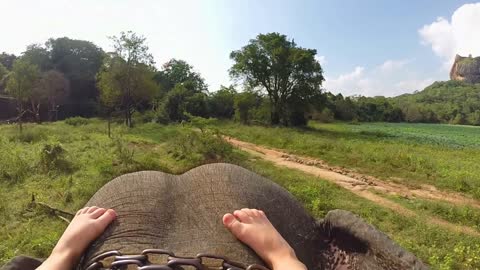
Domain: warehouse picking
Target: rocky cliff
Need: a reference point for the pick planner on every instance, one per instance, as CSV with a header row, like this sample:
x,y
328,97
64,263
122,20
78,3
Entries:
x,y
466,69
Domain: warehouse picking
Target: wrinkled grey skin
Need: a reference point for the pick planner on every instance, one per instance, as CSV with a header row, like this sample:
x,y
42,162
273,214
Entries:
x,y
184,214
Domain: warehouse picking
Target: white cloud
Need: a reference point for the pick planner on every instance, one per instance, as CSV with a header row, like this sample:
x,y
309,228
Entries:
x,y
321,59
392,65
460,35
349,83
390,78
414,85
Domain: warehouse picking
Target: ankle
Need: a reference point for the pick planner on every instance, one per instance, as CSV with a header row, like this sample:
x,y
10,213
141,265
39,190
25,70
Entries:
x,y
289,262
65,254
280,256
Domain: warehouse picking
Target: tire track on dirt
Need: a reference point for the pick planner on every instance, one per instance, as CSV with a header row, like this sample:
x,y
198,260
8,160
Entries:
x,y
358,185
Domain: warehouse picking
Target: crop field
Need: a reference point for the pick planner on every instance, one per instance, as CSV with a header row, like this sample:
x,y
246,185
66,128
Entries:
x,y
62,164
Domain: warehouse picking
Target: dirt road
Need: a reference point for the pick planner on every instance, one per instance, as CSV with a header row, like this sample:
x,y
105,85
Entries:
x,y
362,185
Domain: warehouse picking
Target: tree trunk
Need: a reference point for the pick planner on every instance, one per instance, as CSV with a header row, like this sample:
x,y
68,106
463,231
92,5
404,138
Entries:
x,y
20,125
36,111
109,123
275,115
129,115
20,116
127,118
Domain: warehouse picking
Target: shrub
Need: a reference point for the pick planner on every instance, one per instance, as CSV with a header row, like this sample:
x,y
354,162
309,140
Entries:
x,y
199,122
206,146
34,134
161,117
76,121
145,117
52,158
123,154
325,116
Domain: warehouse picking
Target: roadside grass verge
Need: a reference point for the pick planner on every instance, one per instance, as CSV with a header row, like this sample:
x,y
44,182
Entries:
x,y
461,214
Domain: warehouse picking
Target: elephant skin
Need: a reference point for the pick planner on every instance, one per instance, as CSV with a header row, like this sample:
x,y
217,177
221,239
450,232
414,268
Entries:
x,y
182,213
22,263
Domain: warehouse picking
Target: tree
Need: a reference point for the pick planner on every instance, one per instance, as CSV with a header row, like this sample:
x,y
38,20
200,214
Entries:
x,y
276,65
126,78
39,56
7,60
221,103
79,61
3,76
178,71
54,88
174,103
244,103
21,83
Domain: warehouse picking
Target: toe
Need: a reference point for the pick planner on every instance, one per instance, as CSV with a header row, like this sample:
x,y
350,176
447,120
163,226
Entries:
x,y
92,209
232,224
256,213
84,210
248,211
107,217
98,212
241,215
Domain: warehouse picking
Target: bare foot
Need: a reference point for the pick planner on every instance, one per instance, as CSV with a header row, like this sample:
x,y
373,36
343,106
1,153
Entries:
x,y
88,224
252,227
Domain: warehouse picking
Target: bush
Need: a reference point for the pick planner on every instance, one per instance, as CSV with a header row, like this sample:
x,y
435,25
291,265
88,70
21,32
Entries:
x,y
199,122
52,158
31,135
325,116
145,117
201,147
161,117
123,154
76,121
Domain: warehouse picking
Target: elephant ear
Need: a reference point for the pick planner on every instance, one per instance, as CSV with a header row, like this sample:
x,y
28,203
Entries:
x,y
348,242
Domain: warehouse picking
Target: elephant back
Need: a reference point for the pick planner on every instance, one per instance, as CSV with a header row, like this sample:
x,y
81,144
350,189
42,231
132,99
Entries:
x,y
183,213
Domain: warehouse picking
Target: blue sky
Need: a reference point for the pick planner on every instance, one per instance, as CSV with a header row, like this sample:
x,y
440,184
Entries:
x,y
366,47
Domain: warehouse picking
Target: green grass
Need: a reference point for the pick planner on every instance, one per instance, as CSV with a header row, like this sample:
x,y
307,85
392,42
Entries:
x,y
441,155
440,248
457,214
93,159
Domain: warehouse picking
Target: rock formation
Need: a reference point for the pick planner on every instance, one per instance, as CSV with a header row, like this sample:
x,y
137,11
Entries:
x,y
466,69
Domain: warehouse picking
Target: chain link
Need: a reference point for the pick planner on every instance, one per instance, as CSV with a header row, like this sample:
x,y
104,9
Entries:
x,y
114,260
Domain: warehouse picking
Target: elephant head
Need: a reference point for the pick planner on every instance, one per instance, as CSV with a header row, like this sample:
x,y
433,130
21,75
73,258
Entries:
x,y
183,214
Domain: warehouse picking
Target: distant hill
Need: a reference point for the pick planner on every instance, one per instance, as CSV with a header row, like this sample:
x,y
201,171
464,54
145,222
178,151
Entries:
x,y
455,102
466,69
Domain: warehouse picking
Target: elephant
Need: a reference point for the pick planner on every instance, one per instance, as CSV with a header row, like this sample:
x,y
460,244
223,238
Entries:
x,y
182,214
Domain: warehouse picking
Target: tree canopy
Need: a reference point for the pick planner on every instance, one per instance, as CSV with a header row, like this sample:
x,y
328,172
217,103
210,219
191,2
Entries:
x,y
7,60
280,84
21,83
286,72
179,71
126,78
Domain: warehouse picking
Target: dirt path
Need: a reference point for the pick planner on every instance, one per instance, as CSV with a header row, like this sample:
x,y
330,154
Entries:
x,y
361,185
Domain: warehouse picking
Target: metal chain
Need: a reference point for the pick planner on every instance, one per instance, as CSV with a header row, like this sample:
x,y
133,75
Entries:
x,y
114,260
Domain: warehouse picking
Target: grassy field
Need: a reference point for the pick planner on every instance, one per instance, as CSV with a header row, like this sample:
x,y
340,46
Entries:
x,y
444,156
63,165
